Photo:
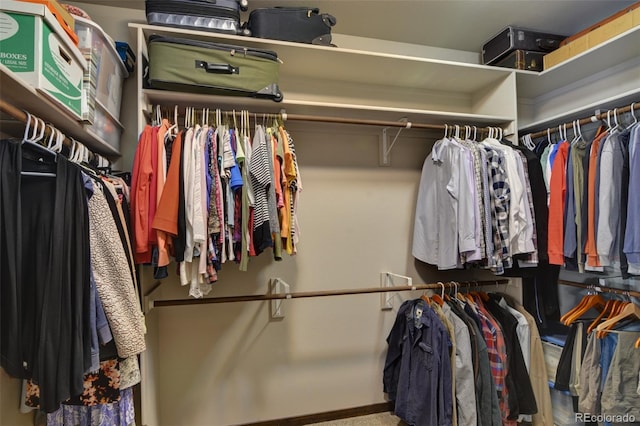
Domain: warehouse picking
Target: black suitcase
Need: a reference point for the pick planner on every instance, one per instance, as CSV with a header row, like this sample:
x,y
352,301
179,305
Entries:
x,y
297,24
522,60
221,16
513,38
195,66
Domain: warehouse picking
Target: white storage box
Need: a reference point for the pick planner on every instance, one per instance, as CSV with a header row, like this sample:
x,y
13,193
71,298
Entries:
x,y
35,47
105,127
109,73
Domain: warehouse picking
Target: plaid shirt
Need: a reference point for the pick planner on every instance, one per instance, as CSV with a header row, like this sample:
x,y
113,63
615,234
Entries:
x,y
497,358
500,201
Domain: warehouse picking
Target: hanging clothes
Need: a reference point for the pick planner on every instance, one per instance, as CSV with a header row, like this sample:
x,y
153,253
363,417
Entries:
x,y
49,308
227,196
492,381
631,245
417,371
59,271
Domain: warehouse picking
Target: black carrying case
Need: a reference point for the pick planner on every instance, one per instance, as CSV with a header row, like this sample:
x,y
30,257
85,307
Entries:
x,y
221,16
514,38
195,66
297,24
522,60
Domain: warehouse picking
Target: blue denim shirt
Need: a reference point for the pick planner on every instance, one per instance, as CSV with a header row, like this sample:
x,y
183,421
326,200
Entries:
x,y
417,371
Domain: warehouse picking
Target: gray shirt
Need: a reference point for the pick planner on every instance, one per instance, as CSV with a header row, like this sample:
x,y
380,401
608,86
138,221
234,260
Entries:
x,y
464,377
609,197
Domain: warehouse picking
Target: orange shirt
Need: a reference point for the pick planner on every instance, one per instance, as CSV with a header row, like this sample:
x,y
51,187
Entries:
x,y
165,221
140,187
591,250
558,189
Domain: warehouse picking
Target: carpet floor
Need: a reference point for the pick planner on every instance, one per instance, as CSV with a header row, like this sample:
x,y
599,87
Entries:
x,y
379,419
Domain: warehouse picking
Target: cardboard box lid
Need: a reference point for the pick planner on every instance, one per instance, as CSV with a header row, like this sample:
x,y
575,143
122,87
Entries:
x,y
64,18
41,10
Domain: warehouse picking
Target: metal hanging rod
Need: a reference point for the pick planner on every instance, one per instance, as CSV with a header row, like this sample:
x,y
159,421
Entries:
x,y
322,293
405,124
21,116
383,123
594,118
600,288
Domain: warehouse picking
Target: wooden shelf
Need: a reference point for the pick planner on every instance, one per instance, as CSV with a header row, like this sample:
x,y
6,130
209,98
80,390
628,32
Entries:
x,y
15,91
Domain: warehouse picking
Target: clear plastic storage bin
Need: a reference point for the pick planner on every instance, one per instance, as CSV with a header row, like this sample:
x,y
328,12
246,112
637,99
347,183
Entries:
x,y
109,73
105,127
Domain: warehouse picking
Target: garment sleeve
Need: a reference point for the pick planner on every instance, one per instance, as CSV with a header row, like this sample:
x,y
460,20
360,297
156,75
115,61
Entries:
x,y
140,187
632,232
604,231
465,387
391,372
464,195
445,401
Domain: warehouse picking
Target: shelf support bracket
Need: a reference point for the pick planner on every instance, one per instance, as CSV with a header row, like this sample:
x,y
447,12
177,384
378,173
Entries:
x,y
276,307
387,279
385,146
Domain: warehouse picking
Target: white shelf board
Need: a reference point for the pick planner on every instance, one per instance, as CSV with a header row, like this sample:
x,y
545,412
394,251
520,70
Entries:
x,y
618,50
357,66
21,95
341,110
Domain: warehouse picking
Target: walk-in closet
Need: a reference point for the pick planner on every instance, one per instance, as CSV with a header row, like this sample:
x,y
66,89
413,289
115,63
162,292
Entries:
x,y
408,236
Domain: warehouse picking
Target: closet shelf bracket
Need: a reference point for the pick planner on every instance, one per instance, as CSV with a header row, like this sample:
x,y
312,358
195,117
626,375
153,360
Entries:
x,y
276,307
385,146
388,279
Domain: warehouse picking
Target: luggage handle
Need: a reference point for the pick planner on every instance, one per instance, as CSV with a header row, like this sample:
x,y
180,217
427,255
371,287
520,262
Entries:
x,y
217,68
547,44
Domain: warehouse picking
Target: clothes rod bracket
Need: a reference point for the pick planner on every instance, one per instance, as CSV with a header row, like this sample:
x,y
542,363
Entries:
x,y
387,279
385,146
276,307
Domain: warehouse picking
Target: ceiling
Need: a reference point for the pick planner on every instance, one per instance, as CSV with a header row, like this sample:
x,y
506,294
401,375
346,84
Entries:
x,y
453,24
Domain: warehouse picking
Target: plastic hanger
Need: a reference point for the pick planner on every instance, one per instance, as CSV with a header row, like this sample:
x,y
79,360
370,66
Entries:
x,y
633,116
32,141
616,124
